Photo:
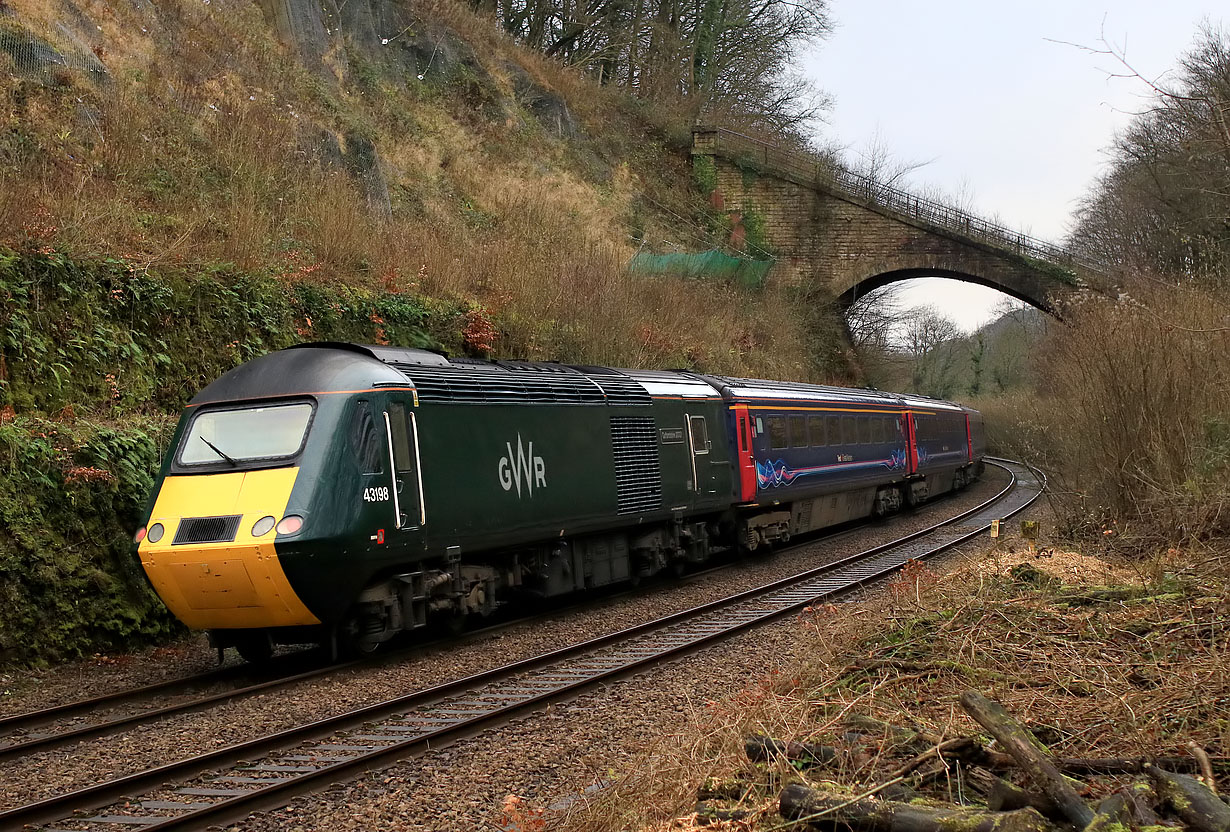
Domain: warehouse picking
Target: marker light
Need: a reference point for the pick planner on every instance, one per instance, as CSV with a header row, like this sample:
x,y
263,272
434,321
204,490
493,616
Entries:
x,y
155,533
290,524
139,536
262,526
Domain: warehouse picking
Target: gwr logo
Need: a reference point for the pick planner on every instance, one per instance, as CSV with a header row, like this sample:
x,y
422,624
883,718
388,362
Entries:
x,y
522,467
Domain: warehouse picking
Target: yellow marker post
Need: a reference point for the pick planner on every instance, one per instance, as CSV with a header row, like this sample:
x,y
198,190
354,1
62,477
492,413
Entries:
x,y
994,529
1029,531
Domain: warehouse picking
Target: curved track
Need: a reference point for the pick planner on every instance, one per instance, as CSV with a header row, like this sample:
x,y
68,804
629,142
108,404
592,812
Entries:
x,y
228,784
62,725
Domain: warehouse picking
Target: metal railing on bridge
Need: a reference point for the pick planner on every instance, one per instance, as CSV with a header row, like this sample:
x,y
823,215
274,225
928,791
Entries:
x,y
740,148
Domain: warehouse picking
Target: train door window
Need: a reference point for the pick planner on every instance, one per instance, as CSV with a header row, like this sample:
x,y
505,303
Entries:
x,y
744,439
365,443
815,432
798,432
405,463
700,435
777,433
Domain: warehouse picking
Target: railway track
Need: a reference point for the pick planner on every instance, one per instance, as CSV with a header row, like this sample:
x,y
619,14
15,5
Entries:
x,y
110,713
228,784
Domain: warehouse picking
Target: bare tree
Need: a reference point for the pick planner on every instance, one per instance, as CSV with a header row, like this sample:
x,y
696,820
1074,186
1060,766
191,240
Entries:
x,y
1164,205
931,341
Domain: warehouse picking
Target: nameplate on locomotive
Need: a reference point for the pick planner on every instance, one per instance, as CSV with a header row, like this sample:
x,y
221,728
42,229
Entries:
x,y
671,436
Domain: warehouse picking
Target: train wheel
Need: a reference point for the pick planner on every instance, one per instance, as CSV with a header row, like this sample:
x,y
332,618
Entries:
x,y
255,648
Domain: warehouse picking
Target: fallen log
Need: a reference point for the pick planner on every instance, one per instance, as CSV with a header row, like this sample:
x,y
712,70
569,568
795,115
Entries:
x,y
762,749
1113,765
1002,796
1194,802
966,749
1142,801
707,815
906,739
800,803
1032,757
1112,814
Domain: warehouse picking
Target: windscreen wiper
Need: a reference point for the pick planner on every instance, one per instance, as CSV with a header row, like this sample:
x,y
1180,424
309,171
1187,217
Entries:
x,y
220,452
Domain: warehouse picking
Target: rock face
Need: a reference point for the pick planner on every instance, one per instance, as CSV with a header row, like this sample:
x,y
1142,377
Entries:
x,y
345,45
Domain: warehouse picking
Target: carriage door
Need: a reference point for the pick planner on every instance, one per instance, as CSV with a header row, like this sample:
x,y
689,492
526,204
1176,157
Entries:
x,y
703,475
408,508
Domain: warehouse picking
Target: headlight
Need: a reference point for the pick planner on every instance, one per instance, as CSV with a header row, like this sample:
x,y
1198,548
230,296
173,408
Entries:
x,y
290,524
262,526
139,536
155,533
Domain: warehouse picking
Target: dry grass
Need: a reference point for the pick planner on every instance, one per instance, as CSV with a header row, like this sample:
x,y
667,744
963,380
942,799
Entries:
x,y
204,149
1132,418
1099,679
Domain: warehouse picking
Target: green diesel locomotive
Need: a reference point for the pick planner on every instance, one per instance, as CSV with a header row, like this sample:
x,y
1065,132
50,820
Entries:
x,y
340,494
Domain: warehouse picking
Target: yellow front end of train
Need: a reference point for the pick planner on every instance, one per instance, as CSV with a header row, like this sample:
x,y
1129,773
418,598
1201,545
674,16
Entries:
x,y
236,581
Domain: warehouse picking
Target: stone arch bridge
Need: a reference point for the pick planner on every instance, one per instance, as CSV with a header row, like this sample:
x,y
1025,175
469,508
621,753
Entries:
x,y
847,235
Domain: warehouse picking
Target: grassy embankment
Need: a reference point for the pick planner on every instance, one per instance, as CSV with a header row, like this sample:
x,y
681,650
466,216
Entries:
x,y
1099,656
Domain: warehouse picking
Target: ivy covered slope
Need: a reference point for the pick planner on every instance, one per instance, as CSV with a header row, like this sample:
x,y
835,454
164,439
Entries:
x,y
96,360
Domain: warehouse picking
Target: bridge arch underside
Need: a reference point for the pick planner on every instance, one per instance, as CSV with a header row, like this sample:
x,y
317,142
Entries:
x,y
865,285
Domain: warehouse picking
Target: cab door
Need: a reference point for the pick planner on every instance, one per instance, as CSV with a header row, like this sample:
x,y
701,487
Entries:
x,y
408,508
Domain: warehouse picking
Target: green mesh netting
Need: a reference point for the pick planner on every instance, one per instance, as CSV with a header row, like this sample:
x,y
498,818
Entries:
x,y
748,273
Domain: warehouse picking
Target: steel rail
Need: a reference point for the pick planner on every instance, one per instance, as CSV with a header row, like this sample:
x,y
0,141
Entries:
x,y
476,709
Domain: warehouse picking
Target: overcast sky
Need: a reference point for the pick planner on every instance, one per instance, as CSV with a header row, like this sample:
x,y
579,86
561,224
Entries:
x,y
999,111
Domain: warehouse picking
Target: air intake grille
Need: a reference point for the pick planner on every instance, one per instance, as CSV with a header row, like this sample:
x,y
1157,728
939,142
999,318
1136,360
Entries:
x,y
500,386
638,468
207,529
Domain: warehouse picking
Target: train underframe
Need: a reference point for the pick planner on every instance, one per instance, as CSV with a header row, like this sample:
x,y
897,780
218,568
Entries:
x,y
454,591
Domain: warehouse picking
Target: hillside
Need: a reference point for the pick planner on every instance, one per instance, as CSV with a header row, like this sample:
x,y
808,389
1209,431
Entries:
x,y
184,185
412,151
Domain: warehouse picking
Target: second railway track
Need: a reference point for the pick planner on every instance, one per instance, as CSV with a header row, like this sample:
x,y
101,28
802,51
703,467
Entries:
x,y
228,784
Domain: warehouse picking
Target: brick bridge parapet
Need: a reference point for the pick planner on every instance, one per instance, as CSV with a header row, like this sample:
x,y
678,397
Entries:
x,y
844,233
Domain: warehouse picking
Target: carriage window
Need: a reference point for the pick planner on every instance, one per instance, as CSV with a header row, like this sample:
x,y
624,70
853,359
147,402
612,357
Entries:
x,y
798,432
864,430
815,432
777,433
849,432
365,442
700,435
834,429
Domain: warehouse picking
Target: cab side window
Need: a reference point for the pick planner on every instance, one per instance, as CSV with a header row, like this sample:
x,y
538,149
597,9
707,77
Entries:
x,y
366,441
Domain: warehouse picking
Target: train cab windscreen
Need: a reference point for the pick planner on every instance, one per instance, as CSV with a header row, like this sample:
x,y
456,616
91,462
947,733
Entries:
x,y
246,434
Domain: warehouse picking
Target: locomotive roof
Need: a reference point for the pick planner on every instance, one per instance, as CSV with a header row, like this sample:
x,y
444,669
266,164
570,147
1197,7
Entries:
x,y
324,367
298,371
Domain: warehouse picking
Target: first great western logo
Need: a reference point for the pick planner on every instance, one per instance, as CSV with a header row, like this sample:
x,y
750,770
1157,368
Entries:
x,y
521,469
